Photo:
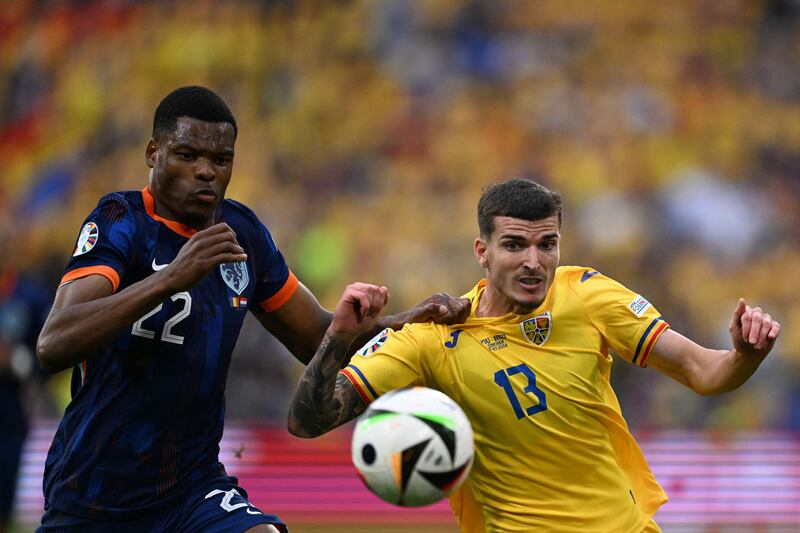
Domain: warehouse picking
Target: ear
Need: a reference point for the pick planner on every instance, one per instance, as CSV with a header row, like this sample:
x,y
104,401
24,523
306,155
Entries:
x,y
151,152
480,250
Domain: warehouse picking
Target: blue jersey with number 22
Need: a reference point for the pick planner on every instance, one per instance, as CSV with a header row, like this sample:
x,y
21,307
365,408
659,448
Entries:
x,y
146,415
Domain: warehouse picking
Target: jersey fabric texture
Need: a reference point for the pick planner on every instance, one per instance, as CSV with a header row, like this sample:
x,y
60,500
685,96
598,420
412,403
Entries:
x,y
552,450
146,415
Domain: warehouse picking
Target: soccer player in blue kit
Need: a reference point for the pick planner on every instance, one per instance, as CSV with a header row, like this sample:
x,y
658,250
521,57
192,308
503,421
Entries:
x,y
147,315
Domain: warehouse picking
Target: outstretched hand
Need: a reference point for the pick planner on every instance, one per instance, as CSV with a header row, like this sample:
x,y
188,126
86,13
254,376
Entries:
x,y
358,308
440,308
753,331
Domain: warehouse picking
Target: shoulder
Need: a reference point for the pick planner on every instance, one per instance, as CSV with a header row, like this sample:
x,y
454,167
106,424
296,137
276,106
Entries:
x,y
588,284
599,293
119,209
120,205
122,200
425,335
577,277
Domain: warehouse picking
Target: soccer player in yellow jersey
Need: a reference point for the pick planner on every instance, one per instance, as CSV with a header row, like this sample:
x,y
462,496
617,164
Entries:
x,y
530,366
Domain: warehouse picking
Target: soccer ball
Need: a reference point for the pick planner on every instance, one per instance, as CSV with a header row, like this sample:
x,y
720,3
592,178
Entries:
x,y
413,446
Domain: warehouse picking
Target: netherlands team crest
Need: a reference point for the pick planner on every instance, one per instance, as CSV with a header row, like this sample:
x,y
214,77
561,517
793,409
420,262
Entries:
x,y
87,239
537,329
235,276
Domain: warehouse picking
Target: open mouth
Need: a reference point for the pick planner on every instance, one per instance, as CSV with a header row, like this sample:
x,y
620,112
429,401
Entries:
x,y
530,283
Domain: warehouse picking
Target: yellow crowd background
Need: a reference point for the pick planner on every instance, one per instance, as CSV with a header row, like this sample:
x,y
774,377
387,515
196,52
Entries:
x,y
367,130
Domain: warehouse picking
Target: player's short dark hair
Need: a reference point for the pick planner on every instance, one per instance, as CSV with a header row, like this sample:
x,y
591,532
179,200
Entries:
x,y
194,102
516,198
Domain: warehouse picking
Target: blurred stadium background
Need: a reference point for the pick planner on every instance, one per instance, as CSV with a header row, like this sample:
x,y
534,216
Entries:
x,y
367,130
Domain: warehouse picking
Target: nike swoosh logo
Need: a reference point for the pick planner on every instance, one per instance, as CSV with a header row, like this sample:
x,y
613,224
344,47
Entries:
x,y
157,267
252,512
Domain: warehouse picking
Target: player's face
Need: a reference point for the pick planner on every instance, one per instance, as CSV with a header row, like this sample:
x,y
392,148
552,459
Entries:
x,y
520,258
191,168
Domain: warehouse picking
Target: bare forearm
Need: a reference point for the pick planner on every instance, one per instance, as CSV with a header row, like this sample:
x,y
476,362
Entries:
x,y
324,399
721,371
76,331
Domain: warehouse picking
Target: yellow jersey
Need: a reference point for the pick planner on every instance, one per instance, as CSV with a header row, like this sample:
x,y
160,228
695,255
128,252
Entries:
x,y
552,450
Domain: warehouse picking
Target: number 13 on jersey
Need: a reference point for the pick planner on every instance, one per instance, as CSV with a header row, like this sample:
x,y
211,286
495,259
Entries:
x,y
503,379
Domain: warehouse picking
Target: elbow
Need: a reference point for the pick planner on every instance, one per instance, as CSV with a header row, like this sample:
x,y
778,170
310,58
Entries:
x,y
298,429
704,392
715,391
45,354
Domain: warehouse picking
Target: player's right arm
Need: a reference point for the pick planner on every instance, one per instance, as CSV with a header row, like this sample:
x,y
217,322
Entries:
x,y
324,398
87,314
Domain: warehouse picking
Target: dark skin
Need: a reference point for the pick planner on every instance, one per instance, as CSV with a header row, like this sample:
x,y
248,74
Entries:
x,y
191,168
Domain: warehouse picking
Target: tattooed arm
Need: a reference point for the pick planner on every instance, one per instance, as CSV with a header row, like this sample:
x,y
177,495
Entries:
x,y
324,401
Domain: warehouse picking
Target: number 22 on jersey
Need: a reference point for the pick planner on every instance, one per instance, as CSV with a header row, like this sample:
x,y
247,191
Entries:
x,y
166,335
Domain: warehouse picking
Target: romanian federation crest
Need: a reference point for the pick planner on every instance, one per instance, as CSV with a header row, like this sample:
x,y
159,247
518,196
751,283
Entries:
x,y
235,275
87,239
537,329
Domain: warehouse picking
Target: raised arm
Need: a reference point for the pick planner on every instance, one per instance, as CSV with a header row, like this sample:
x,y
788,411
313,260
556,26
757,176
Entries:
x,y
324,401
87,314
301,323
707,371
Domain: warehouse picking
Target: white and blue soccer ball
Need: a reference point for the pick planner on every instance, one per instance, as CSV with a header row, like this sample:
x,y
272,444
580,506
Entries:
x,y
413,446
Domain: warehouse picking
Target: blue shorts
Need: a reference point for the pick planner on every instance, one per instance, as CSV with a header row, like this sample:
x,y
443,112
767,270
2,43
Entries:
x,y
220,506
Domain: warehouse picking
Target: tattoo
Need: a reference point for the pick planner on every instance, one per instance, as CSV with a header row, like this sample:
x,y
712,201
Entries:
x,y
324,401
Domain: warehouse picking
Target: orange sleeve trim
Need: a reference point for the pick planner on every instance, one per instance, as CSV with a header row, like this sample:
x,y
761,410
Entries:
x,y
661,329
150,208
106,271
275,301
356,385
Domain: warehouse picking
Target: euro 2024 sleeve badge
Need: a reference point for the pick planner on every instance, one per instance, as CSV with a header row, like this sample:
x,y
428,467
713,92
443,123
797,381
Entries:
x,y
87,239
537,329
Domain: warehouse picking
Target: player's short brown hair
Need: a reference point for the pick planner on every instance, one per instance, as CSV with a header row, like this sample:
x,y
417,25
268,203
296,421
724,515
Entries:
x,y
517,198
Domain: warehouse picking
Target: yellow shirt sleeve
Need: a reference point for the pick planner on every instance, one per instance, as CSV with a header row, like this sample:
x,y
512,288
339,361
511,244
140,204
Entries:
x,y
391,360
629,324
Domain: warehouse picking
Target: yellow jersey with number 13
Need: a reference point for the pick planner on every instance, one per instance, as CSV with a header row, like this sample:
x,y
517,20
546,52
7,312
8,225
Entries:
x,y
552,450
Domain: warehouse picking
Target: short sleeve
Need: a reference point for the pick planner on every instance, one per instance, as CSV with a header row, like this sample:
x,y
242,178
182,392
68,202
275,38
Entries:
x,y
627,321
104,243
276,283
391,360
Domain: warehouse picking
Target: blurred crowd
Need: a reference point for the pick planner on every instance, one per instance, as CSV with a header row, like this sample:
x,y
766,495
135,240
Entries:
x,y
367,130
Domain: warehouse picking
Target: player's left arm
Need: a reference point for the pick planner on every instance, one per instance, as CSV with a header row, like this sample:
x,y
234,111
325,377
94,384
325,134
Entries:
x,y
299,324
707,371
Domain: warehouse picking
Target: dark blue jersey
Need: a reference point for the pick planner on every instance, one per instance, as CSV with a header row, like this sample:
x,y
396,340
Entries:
x,y
147,412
